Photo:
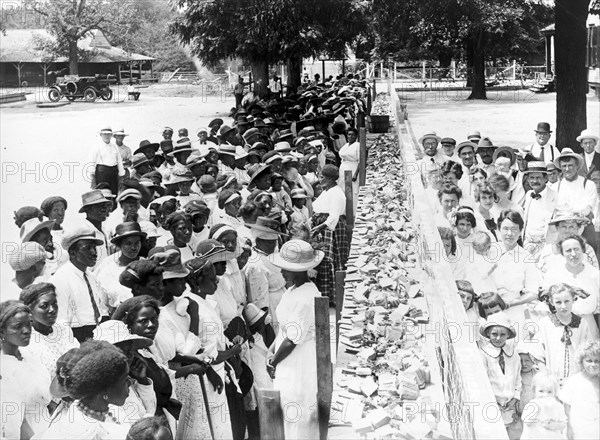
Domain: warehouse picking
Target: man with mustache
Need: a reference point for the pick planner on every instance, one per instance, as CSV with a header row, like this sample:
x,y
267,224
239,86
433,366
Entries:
x,y
82,302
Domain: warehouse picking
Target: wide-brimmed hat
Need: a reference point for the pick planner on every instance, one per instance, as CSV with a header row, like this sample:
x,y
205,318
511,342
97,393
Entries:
x,y
213,251
127,229
568,153
258,170
266,228
430,135
225,129
240,119
27,254
182,176
252,314
551,167
129,192
251,132
505,150
169,258
106,130
297,256
215,121
272,156
587,134
536,167
81,231
138,159
259,146
285,134
114,332
92,197
498,319
146,145
282,147
182,145
32,227
485,143
567,216
464,145
543,127
227,149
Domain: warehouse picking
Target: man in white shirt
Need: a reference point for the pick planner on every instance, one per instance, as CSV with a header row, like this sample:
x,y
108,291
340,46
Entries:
x,y
433,158
82,302
538,207
541,149
466,151
448,147
125,152
97,208
485,156
107,161
576,193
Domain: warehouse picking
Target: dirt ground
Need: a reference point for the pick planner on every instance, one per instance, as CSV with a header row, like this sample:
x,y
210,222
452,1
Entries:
x,y
44,151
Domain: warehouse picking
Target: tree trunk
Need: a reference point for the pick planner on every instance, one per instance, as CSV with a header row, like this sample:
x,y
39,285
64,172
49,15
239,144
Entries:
x,y
294,67
73,58
260,75
571,73
444,59
469,51
478,71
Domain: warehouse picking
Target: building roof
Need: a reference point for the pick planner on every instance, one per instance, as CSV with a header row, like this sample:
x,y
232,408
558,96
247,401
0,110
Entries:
x,y
19,45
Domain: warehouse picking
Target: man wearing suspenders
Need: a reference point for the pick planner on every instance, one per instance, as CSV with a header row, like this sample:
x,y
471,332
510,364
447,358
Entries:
x,y
541,149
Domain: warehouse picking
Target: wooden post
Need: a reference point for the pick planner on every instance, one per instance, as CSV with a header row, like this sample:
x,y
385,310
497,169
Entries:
x,y
18,66
374,89
270,414
340,277
323,66
151,70
362,163
131,72
324,367
140,66
45,67
349,190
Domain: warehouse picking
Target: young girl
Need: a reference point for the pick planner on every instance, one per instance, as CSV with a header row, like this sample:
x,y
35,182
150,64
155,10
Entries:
x,y
486,197
581,394
544,416
490,303
502,188
469,300
561,333
503,366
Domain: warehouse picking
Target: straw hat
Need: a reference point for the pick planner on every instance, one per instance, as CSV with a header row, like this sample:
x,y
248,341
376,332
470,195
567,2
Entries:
x,y
182,176
297,256
120,132
466,144
93,197
28,254
32,227
505,150
252,314
536,167
430,135
266,228
129,192
475,134
569,153
566,216
81,231
587,134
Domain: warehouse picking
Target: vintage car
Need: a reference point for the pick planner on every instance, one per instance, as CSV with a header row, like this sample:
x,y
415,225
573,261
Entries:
x,y
75,87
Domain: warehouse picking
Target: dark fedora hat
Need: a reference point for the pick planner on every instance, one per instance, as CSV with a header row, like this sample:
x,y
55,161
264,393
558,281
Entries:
x,y
256,171
127,229
146,144
543,127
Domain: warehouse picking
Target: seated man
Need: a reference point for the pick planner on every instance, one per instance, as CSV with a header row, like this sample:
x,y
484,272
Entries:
x,y
133,92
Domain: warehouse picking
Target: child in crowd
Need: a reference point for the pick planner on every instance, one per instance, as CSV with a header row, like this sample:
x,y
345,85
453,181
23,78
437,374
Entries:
x,y
490,303
281,199
469,300
300,219
560,334
479,269
544,416
184,180
503,366
502,165
581,396
528,371
150,428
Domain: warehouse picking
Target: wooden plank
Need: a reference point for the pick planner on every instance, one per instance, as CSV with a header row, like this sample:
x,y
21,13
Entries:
x,y
362,162
324,367
349,190
270,414
340,276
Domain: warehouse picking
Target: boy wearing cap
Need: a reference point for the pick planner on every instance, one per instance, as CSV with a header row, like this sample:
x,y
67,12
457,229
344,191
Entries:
x,y
538,207
299,223
108,165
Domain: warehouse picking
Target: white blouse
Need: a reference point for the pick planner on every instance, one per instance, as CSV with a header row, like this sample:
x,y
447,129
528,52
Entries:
x,y
332,202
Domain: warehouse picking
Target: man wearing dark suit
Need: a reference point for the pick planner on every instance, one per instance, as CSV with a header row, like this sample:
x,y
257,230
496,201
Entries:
x,y
591,171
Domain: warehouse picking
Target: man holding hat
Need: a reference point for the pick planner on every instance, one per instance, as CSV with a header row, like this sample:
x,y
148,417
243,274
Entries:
x,y
541,149
433,158
82,302
538,207
591,163
125,152
28,261
108,165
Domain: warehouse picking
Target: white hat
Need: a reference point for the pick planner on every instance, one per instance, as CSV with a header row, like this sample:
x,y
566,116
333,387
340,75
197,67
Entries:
x,y
252,314
297,256
568,153
81,231
28,254
587,134
32,227
119,132
430,135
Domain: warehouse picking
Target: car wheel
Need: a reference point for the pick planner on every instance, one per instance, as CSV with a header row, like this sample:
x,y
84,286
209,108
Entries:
x,y
54,95
90,94
71,88
107,94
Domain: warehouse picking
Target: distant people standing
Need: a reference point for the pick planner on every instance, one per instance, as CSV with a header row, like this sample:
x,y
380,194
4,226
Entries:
x,y
275,87
238,92
119,135
108,163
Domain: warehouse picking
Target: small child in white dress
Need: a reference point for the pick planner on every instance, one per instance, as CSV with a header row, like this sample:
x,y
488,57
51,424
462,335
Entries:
x,y
479,270
544,416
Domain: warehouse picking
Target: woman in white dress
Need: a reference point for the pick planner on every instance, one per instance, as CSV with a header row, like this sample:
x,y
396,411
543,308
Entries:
x,y
294,362
350,155
516,276
128,239
24,384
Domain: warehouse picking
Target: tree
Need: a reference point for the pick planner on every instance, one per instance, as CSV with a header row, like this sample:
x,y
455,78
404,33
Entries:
x,y
571,73
71,20
264,32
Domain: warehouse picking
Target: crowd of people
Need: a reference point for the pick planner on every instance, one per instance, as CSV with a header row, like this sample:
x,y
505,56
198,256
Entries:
x,y
520,231
184,279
